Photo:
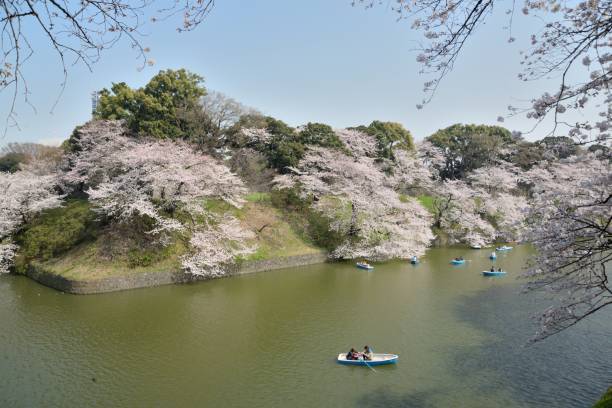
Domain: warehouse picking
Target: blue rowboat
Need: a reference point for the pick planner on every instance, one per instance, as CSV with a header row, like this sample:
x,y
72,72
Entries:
x,y
504,248
493,255
377,359
364,265
494,273
458,261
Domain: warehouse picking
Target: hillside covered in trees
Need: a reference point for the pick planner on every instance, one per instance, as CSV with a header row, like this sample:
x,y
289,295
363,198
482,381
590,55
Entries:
x,y
174,176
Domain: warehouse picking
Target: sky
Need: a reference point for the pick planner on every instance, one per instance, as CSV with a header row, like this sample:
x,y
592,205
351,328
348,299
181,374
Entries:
x,y
299,61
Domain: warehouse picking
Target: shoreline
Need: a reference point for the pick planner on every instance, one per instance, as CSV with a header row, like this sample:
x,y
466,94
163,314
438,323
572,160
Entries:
x,y
153,279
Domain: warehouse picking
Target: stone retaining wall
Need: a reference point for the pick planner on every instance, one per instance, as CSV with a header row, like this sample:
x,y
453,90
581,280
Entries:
x,y
150,279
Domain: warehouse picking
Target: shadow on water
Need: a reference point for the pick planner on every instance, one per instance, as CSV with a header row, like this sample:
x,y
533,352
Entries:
x,y
571,369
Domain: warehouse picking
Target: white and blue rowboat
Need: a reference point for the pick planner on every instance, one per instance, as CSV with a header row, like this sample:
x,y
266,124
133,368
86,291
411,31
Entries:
x,y
458,261
363,265
493,255
493,273
504,248
377,359
414,260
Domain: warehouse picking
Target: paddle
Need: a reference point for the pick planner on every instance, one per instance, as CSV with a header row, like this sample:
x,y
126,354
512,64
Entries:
x,y
366,363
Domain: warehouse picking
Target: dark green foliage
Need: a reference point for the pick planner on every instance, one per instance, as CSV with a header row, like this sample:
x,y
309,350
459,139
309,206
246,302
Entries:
x,y
603,151
284,148
288,198
319,134
277,127
10,162
312,225
283,153
389,136
56,231
154,110
71,144
558,147
137,257
468,147
320,232
252,167
527,155
605,401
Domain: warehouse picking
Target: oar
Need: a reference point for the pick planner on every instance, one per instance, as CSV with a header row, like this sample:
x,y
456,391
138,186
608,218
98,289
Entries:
x,y
366,363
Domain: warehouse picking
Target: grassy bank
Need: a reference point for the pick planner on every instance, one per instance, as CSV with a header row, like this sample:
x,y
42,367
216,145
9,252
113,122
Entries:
x,y
605,401
78,248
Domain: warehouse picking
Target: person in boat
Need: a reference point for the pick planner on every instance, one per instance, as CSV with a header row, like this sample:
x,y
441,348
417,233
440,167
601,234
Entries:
x,y
352,355
461,258
499,270
493,269
367,353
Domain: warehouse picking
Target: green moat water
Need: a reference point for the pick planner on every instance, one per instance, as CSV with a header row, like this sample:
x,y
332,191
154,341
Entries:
x,y
270,339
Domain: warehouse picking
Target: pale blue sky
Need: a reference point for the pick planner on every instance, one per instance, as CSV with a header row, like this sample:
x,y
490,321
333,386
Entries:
x,y
300,61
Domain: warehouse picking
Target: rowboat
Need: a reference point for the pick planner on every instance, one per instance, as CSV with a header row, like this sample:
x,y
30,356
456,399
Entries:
x,y
493,255
458,261
377,359
476,246
504,248
364,265
493,273
414,260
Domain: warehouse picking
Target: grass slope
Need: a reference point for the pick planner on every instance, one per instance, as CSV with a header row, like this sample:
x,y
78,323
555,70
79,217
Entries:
x,y
605,401
90,260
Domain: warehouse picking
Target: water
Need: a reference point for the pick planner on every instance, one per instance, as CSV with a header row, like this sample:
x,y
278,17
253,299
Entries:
x,y
269,340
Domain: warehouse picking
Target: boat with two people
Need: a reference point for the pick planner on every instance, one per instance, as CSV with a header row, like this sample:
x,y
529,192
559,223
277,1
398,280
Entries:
x,y
458,261
504,248
493,272
364,265
366,358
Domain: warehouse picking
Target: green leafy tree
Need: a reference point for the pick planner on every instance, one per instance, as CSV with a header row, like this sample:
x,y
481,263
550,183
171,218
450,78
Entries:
x,y
389,136
468,147
558,147
284,149
320,134
156,108
9,163
526,155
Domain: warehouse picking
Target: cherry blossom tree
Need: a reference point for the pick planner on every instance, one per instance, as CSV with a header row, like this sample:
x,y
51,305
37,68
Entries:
x,y
79,32
216,247
126,177
573,45
24,195
501,202
361,201
570,222
457,213
7,254
411,171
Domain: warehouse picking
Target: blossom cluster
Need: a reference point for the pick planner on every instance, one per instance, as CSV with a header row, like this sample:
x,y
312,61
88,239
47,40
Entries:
x,y
360,197
126,177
